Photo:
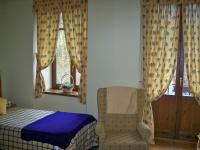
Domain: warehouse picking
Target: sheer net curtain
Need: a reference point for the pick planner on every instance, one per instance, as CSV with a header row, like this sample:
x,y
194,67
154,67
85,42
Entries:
x,y
191,30
160,45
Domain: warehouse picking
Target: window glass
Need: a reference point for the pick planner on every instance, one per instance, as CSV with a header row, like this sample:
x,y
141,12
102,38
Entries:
x,y
171,88
78,77
185,90
63,62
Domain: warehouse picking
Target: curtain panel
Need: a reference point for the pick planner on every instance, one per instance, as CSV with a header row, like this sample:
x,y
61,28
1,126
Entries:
x,y
75,24
46,6
160,45
191,30
47,29
155,2
74,14
164,2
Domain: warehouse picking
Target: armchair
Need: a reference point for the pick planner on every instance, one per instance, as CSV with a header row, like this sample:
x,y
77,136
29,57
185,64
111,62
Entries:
x,y
120,125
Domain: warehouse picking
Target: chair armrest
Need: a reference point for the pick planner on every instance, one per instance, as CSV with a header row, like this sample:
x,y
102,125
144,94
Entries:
x,y
100,130
144,131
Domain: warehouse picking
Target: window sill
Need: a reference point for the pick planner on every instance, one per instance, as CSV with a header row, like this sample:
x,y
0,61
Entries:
x,y
61,93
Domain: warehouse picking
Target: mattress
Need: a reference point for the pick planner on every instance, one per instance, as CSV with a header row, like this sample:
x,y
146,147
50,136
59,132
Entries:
x,y
17,118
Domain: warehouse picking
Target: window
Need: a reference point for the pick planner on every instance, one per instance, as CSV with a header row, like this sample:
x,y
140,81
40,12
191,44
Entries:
x,y
62,64
185,85
179,84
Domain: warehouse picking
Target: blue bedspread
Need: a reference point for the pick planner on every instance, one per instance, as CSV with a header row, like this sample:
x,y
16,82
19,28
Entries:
x,y
57,129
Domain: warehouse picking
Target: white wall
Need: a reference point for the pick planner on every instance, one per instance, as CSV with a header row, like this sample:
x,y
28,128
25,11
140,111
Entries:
x,y
1,26
2,57
1,37
113,52
17,50
114,46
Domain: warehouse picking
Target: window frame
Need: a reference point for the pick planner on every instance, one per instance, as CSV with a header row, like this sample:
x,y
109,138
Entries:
x,y
73,74
53,75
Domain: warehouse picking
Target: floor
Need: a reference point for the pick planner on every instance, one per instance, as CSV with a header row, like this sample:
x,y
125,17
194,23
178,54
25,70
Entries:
x,y
168,144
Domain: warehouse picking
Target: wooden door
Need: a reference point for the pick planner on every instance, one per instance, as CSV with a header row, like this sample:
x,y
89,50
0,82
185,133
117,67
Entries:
x,y
176,113
189,123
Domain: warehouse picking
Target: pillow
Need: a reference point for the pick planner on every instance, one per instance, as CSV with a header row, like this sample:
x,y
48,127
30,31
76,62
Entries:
x,y
3,103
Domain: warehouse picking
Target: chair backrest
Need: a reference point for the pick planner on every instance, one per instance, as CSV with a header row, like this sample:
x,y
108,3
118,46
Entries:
x,y
121,100
119,108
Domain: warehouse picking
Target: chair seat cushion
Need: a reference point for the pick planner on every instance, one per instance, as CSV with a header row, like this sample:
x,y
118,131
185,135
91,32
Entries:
x,y
124,141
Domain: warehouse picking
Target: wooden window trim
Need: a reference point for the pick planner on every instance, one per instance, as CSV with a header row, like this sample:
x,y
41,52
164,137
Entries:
x,y
53,72
73,74
55,90
61,93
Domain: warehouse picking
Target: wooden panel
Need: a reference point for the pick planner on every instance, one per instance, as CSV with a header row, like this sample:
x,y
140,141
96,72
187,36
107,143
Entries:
x,y
168,144
165,119
165,116
190,120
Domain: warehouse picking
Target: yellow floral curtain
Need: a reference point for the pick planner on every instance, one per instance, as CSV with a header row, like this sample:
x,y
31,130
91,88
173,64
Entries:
x,y
160,44
153,2
47,29
191,30
75,24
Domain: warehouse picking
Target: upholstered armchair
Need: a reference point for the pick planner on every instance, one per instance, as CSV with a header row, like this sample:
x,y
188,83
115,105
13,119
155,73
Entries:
x,y
120,126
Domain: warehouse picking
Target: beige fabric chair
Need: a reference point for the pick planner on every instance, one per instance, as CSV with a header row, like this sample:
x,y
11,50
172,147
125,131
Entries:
x,y
119,125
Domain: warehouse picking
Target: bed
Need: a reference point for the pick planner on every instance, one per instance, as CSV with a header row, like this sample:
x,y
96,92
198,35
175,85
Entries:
x,y
12,124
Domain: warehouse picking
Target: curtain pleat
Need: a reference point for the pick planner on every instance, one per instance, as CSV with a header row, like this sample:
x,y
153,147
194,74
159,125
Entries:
x,y
75,24
191,30
47,30
160,41
164,2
